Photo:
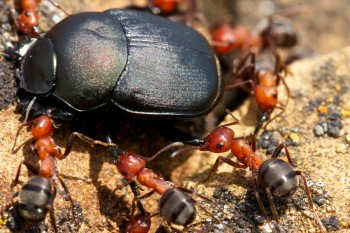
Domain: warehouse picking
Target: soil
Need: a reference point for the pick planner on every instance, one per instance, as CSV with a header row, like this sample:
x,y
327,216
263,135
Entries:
x,y
310,126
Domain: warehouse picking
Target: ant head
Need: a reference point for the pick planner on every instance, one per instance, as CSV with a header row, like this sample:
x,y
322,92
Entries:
x,y
28,23
129,164
227,38
219,140
163,6
42,126
139,223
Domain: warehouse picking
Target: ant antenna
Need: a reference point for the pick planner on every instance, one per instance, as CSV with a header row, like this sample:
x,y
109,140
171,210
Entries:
x,y
29,107
25,122
59,7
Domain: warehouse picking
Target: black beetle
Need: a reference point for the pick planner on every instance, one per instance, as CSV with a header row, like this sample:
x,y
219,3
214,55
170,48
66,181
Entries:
x,y
146,65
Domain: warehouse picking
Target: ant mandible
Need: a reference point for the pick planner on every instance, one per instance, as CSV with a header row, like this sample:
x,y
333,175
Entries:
x,y
37,195
276,176
175,205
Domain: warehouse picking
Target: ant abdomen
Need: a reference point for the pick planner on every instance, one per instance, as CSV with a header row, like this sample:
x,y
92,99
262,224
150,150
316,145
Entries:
x,y
177,207
279,176
34,197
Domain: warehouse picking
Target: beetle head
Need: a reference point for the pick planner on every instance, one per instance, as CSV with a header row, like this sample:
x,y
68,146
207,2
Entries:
x,y
39,68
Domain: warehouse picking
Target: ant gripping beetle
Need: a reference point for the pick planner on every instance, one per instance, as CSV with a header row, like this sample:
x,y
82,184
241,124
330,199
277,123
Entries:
x,y
175,205
37,195
276,176
264,85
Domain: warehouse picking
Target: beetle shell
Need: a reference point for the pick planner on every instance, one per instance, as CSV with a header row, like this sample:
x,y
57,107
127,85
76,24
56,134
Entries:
x,y
279,176
34,197
145,64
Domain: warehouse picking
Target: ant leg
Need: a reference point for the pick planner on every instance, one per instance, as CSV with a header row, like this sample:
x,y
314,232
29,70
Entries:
x,y
241,84
235,122
204,198
84,138
258,198
68,196
239,70
279,68
252,141
311,206
273,207
134,189
49,206
279,77
277,115
278,150
225,160
31,168
8,202
146,195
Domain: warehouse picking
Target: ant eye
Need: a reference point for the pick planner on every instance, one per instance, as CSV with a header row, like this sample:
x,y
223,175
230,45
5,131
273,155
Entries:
x,y
274,95
27,13
219,145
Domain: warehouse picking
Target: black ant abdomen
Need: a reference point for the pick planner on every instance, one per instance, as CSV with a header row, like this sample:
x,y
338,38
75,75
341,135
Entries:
x,y
177,207
34,198
279,176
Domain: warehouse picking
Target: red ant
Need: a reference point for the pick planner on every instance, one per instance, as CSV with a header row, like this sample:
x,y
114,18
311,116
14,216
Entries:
x,y
28,19
276,176
163,6
175,205
37,195
186,13
264,85
227,38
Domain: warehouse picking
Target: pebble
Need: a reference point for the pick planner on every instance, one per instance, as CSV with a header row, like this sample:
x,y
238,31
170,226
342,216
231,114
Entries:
x,y
340,148
347,137
334,132
295,137
324,126
334,116
332,223
310,183
319,200
319,130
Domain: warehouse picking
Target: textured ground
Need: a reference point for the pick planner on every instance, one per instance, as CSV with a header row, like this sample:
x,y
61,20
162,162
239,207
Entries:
x,y
320,90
